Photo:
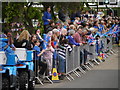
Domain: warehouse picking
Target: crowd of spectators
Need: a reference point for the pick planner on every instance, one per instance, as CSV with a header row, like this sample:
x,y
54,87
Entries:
x,y
62,35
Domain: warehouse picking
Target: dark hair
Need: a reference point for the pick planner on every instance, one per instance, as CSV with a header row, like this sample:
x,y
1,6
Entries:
x,y
83,24
6,31
61,41
94,23
36,41
65,41
36,30
51,21
47,7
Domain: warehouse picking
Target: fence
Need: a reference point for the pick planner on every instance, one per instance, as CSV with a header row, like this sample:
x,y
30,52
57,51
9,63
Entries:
x,y
73,58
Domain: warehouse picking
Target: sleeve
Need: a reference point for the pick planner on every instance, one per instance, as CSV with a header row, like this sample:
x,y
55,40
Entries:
x,y
12,45
52,49
34,48
45,16
52,43
69,48
74,43
61,47
77,38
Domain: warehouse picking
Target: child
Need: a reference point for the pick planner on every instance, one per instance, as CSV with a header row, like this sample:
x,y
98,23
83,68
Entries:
x,y
47,56
36,59
63,45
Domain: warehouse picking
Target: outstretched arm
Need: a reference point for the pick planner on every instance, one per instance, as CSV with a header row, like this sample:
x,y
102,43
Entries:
x,y
41,52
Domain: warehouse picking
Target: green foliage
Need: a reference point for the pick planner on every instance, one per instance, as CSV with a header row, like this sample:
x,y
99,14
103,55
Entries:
x,y
24,12
11,11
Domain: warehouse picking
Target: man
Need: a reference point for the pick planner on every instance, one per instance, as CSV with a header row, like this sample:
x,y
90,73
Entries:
x,y
78,35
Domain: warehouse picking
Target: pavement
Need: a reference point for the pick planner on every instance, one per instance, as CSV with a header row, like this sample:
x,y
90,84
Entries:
x,y
104,75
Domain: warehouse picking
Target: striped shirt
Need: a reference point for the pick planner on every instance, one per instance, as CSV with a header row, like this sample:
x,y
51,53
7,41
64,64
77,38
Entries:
x,y
62,50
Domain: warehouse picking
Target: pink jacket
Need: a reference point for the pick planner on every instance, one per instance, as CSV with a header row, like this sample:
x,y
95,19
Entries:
x,y
77,37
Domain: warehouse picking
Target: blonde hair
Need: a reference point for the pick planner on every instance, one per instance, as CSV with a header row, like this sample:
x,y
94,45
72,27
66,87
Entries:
x,y
24,35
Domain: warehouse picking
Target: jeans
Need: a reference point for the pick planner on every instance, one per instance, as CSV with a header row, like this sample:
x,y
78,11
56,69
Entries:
x,y
55,54
61,65
40,64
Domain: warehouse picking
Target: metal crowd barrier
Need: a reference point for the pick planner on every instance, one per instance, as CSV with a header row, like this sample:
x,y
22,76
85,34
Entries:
x,y
110,44
76,55
86,49
69,61
73,61
104,40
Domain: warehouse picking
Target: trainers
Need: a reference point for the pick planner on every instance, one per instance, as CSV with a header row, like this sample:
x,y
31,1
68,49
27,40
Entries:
x,y
62,77
59,74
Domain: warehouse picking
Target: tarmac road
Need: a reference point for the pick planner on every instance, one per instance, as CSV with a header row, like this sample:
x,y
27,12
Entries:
x,y
104,75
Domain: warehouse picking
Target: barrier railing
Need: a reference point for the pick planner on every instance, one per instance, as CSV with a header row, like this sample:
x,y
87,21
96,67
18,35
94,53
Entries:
x,y
76,61
73,58
69,61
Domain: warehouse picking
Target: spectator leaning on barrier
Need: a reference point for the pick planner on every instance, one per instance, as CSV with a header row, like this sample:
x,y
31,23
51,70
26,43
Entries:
x,y
42,65
47,57
85,51
46,18
71,39
78,35
63,45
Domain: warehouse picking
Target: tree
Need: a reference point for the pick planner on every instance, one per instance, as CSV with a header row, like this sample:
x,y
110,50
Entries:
x,y
20,12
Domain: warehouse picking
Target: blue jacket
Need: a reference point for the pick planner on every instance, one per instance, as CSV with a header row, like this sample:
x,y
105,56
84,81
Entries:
x,y
37,51
46,16
72,41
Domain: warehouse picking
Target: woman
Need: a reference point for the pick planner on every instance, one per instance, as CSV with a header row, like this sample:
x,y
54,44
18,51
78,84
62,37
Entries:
x,y
71,39
23,40
46,19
